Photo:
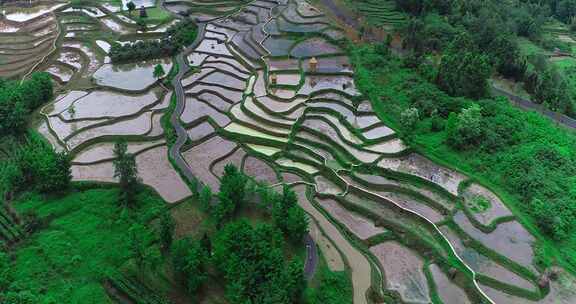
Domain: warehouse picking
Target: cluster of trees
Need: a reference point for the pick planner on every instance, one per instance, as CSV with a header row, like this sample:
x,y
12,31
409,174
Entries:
x,y
286,214
19,99
35,165
476,38
249,257
232,195
526,153
176,37
127,173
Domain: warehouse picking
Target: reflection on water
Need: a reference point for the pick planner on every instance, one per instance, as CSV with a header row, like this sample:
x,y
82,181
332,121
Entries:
x,y
130,76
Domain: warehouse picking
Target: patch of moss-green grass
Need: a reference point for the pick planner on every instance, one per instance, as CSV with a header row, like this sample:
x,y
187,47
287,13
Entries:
x,y
84,235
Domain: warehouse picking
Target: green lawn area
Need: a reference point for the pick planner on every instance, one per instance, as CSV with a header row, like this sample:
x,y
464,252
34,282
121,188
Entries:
x,y
530,48
84,238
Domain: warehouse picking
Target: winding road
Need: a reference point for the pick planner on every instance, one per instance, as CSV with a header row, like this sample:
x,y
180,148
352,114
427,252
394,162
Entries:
x,y
182,135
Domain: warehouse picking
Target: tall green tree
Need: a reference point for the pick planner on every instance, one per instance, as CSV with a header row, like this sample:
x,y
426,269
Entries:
x,y
288,216
126,171
167,227
131,7
296,224
465,130
463,70
190,260
205,198
232,194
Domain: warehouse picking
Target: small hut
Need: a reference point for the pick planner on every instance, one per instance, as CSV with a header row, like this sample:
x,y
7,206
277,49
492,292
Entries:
x,y
313,65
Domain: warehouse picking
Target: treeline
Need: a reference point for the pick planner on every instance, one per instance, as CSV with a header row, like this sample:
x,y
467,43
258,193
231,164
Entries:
x,y
19,99
250,258
526,153
476,38
174,39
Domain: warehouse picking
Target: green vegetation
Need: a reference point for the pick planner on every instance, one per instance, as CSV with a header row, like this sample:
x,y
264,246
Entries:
x,y
84,238
174,39
159,71
127,173
479,204
379,12
525,153
34,165
334,288
473,39
19,99
268,278
131,7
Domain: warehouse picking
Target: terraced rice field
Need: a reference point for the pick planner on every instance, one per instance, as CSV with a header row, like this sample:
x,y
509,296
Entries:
x,y
404,228
380,12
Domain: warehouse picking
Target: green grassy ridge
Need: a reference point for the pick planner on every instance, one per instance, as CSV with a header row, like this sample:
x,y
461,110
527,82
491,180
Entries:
x,y
378,12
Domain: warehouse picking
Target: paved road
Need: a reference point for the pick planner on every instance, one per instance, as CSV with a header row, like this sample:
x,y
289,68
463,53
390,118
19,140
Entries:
x,y
311,257
182,135
528,105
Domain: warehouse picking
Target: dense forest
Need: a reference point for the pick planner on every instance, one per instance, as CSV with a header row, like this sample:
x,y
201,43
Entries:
x,y
477,38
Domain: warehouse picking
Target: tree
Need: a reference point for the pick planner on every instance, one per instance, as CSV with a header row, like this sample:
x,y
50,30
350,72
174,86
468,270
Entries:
x,y
125,169
189,260
42,167
463,70
167,227
159,71
138,241
205,198
296,224
409,119
251,260
232,194
465,129
131,7
19,98
288,216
